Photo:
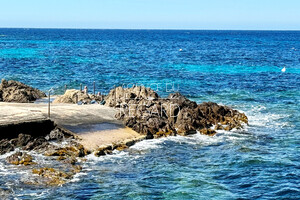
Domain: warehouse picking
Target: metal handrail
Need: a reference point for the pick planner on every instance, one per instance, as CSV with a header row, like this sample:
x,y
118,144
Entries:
x,y
49,92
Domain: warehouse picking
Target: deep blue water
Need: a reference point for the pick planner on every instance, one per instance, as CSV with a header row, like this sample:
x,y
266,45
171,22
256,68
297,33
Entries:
x,y
241,69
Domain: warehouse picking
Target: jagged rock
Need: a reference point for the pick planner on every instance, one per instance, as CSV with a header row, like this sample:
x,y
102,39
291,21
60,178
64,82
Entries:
x,y
142,110
104,150
14,91
121,147
120,95
55,134
76,150
20,158
5,146
53,176
75,96
207,131
21,140
36,144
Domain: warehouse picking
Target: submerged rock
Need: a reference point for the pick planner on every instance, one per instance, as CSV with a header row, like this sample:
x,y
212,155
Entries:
x,y
75,96
14,91
52,176
142,110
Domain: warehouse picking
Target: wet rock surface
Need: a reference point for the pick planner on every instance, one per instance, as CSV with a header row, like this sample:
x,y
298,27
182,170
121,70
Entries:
x,y
108,149
14,91
24,142
142,110
62,156
20,158
5,146
77,96
52,176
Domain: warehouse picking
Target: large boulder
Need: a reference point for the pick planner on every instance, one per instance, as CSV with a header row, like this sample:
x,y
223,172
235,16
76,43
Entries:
x,y
14,91
75,96
142,110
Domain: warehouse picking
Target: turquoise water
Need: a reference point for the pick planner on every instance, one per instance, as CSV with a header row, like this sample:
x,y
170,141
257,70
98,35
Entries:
x,y
241,69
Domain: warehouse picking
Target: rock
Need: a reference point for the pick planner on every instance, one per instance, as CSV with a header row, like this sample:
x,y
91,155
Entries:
x,y
55,134
76,150
76,169
5,146
14,91
36,144
120,95
121,147
207,131
142,110
53,176
164,134
75,96
186,122
20,158
103,150
22,140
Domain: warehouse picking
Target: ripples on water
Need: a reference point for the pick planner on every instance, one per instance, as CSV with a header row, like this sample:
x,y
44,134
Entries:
x,y
236,68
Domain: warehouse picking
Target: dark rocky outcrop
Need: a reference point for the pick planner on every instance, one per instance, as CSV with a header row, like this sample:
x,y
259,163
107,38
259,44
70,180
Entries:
x,y
142,110
38,141
25,142
66,154
14,91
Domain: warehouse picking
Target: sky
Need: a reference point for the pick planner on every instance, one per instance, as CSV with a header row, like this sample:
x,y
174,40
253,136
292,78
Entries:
x,y
152,14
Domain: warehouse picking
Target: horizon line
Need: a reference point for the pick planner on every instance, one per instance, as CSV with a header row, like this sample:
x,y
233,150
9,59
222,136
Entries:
x,y
162,29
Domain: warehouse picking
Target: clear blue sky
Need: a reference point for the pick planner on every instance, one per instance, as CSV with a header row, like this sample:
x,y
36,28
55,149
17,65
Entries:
x,y
152,14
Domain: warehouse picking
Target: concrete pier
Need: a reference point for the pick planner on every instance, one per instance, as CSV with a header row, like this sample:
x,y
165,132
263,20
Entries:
x,y
95,125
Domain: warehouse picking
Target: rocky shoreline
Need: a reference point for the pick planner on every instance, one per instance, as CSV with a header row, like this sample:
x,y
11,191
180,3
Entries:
x,y
139,108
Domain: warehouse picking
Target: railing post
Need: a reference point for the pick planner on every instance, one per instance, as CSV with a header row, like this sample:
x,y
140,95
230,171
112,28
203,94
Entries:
x,y
94,87
49,104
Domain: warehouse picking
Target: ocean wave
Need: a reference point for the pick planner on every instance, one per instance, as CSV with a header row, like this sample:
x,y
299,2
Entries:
x,y
260,116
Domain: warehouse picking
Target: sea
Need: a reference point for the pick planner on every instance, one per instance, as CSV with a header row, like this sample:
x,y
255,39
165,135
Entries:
x,y
241,69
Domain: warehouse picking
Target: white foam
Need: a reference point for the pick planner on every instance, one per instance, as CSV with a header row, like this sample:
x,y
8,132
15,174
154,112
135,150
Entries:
x,y
115,155
77,177
147,144
257,118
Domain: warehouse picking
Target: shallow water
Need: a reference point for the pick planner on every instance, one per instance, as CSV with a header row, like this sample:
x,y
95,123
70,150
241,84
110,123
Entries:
x,y
241,69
